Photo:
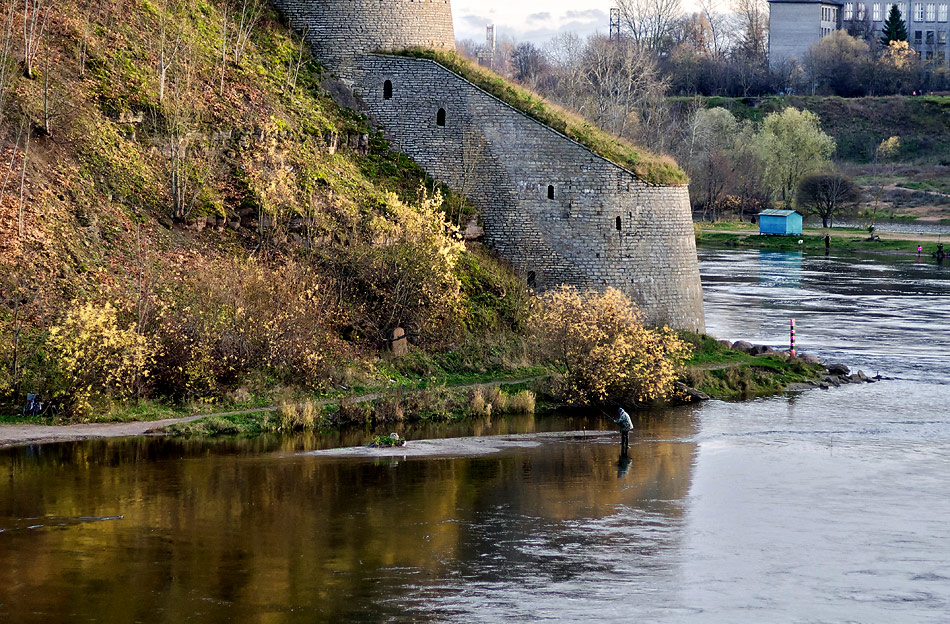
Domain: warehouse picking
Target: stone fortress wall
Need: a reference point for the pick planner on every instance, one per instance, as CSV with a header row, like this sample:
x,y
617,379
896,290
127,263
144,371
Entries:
x,y
338,31
556,211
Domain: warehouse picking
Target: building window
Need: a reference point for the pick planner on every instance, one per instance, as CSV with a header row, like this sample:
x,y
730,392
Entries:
x,y
550,191
918,37
931,12
619,224
532,279
876,12
440,117
942,37
942,13
848,12
388,90
860,11
930,37
918,11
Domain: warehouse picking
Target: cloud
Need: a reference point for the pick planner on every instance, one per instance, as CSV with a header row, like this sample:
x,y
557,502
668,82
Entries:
x,y
517,20
476,21
539,17
588,15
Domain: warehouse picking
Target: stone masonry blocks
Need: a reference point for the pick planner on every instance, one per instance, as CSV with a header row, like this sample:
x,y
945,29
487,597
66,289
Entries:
x,y
339,30
556,211
507,163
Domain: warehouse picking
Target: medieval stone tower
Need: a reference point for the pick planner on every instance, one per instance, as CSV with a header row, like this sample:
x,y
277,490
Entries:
x,y
559,213
339,31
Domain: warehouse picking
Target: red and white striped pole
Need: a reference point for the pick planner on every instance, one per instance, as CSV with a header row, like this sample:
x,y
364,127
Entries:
x,y
792,336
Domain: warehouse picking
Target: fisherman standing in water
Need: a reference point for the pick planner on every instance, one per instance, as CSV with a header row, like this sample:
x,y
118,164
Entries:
x,y
623,420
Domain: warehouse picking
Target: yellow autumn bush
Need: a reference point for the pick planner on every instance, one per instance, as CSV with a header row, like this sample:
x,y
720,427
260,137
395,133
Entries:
x,y
220,321
398,268
608,354
95,356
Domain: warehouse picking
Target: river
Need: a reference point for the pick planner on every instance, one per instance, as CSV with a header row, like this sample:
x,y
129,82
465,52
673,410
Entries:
x,y
821,506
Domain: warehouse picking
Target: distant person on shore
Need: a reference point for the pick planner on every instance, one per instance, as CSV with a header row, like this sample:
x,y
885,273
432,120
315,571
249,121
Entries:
x,y
623,421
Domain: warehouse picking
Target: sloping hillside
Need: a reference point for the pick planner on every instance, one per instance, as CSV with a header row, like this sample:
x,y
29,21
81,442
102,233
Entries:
x,y
858,125
180,196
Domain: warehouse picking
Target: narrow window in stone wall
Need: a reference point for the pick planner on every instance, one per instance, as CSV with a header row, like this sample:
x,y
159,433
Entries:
x,y
531,279
550,191
619,224
388,90
440,117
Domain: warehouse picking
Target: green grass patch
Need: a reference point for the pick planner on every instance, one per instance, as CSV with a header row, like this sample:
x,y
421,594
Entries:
x,y
251,423
649,167
728,225
813,243
726,373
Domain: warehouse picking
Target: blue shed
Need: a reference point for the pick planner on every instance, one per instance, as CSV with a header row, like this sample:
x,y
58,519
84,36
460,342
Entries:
x,y
780,222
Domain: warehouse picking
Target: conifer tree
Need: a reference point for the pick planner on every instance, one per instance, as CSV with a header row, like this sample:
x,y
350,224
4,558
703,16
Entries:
x,y
894,27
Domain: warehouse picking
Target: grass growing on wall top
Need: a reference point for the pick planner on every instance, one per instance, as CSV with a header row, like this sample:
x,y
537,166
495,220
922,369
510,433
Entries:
x,y
649,167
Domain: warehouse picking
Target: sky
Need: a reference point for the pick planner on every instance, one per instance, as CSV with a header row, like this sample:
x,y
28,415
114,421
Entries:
x,y
530,20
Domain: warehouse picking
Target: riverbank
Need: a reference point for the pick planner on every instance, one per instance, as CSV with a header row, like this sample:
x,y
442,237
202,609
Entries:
x,y
746,235
289,416
715,371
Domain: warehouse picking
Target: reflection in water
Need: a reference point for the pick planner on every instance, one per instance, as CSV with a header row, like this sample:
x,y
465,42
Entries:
x,y
780,269
239,535
882,317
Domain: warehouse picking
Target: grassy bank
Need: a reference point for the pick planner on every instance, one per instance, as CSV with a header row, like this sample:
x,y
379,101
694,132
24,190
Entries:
x,y
648,166
726,373
406,405
811,240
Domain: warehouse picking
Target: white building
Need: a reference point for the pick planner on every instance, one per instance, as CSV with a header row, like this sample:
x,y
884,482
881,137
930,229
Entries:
x,y
795,25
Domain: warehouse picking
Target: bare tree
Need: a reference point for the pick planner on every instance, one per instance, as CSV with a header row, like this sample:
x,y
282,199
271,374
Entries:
x,y
719,25
21,206
861,26
16,147
35,20
529,63
826,194
294,63
224,45
649,22
168,51
5,51
178,143
19,297
251,11
753,18
625,89
84,48
472,157
47,104
565,52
